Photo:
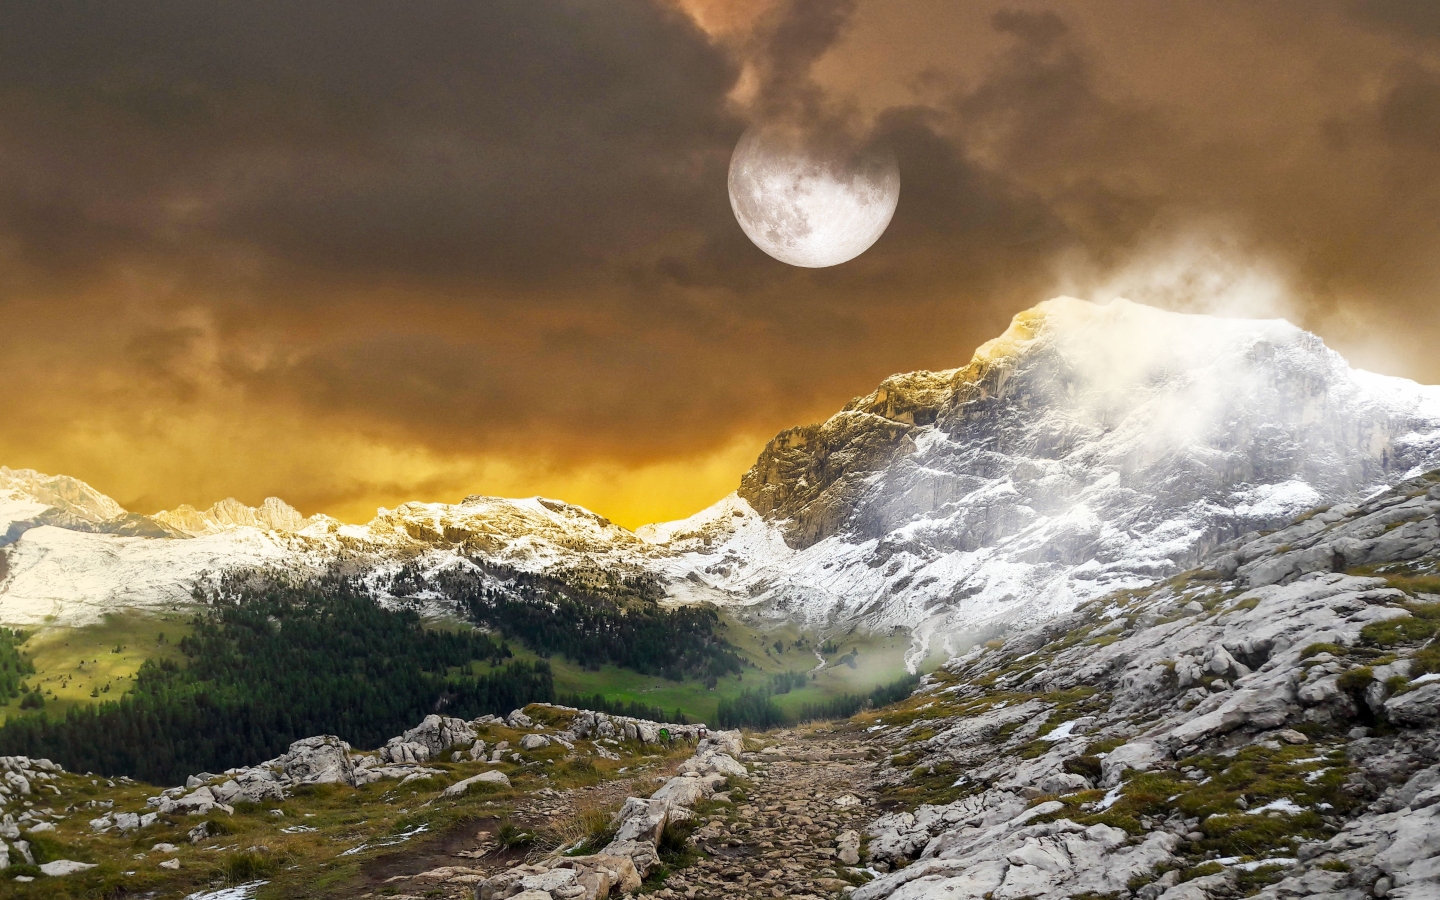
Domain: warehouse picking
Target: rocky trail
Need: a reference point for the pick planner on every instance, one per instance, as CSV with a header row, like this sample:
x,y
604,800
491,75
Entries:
x,y
792,830
797,830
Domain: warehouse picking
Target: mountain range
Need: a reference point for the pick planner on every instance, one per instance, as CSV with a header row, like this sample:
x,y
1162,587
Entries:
x,y
1087,449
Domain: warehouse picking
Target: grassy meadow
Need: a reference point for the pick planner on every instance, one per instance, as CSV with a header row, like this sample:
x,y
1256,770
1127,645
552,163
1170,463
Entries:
x,y
78,666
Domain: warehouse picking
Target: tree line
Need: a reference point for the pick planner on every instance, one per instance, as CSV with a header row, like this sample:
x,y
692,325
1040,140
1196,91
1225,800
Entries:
x,y
271,663
14,665
644,637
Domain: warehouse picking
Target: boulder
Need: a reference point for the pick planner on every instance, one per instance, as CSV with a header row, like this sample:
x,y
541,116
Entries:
x,y
1202,888
1417,708
620,871
324,759
534,742
640,820
518,719
460,787
438,734
1414,853
1320,691
557,883
847,848
499,885
1257,709
1140,754
196,803
731,743
1060,783
259,784
642,854
228,792
402,752
59,867
713,762
683,790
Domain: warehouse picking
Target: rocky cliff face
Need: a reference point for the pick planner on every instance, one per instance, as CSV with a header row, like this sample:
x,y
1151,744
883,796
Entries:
x,y
274,515
1268,723
29,499
1087,449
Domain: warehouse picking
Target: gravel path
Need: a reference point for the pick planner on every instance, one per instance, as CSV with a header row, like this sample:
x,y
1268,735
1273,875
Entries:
x,y
780,841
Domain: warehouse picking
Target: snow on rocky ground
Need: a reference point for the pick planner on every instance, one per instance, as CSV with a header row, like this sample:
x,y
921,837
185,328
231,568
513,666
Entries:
x,y
1270,723
1088,449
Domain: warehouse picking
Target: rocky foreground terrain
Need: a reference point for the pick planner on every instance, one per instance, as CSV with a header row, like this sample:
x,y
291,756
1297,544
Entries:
x,y
1268,724
1263,726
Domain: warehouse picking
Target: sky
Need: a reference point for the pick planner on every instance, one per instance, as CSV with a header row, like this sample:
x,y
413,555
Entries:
x,y
354,254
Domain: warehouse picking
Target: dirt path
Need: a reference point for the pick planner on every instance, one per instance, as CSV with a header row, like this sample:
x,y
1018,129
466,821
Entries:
x,y
780,841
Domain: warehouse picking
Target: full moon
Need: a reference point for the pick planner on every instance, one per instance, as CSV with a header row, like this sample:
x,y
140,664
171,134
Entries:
x,y
807,206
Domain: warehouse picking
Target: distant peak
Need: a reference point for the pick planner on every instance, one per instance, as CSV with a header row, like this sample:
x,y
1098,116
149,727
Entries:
x,y
62,492
273,514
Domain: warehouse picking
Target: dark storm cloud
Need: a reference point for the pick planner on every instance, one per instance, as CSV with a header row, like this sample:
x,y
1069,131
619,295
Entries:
x,y
1414,18
500,229
1409,112
787,43
505,139
1040,110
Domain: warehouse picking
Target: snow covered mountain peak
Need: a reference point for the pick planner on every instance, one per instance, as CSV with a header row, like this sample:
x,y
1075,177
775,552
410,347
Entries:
x,y
70,495
1088,448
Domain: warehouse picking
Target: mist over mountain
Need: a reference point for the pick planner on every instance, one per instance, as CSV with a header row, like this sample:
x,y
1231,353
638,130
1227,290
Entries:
x,y
1088,448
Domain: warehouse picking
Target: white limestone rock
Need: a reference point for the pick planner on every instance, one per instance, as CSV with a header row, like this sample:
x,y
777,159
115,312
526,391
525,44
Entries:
x,y
460,787
61,867
324,759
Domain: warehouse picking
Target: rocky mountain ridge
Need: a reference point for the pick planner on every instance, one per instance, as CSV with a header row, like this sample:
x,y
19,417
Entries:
x,y
1088,449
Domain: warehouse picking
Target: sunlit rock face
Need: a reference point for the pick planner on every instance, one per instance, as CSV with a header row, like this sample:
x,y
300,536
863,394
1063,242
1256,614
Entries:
x,y
1088,448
